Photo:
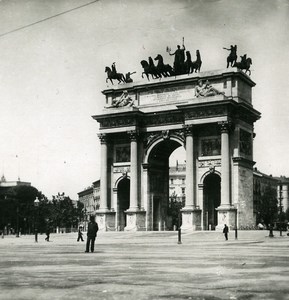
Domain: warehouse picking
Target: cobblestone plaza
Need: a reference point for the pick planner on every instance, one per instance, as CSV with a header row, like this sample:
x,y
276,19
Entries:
x,y
146,265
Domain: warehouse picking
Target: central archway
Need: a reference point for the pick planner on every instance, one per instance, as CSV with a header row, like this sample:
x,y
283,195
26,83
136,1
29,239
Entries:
x,y
158,160
212,200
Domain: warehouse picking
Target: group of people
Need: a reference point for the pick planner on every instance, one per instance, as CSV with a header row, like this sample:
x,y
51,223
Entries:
x,y
91,234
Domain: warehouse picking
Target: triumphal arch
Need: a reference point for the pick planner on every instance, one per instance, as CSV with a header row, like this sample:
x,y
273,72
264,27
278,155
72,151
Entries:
x,y
210,115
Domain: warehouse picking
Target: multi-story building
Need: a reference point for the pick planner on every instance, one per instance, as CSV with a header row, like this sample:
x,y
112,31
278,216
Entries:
x,y
5,185
261,182
177,181
90,198
283,192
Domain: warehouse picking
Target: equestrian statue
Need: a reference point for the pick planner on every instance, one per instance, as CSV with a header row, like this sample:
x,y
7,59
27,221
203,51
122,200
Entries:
x,y
113,75
244,64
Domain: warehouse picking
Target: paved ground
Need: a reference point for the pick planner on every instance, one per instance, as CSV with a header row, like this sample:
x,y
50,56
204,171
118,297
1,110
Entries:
x,y
146,265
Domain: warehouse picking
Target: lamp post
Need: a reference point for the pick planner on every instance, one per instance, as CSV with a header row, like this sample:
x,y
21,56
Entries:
x,y
280,207
85,218
17,219
180,223
36,205
236,224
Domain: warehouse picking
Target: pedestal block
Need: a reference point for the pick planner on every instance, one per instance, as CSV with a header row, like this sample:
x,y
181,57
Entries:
x,y
106,220
191,219
226,215
135,220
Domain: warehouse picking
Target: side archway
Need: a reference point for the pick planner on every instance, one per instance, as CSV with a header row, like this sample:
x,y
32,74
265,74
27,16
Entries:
x,y
211,200
123,196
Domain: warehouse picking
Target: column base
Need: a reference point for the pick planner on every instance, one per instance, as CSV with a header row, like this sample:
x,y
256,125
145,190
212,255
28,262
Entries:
x,y
135,220
105,219
191,218
226,215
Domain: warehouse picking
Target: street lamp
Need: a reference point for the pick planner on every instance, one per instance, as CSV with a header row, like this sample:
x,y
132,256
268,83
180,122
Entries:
x,y
280,207
17,219
36,205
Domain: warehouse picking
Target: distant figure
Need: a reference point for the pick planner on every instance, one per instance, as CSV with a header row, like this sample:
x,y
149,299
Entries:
x,y
47,233
80,235
225,231
91,234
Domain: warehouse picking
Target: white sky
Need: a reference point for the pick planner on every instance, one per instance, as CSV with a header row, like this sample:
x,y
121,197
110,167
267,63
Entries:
x,y
52,74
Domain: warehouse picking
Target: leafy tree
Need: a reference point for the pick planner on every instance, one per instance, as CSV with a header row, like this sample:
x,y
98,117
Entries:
x,y
174,208
63,213
268,206
17,208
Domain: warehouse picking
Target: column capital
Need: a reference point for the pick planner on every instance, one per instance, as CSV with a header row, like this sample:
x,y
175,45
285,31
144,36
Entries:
x,y
133,135
103,138
188,130
226,126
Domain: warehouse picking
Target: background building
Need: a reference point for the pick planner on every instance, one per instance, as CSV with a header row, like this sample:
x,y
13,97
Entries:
x,y
283,191
177,181
90,198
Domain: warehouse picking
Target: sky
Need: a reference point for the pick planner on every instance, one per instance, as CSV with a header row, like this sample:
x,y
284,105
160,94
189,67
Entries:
x,y
53,55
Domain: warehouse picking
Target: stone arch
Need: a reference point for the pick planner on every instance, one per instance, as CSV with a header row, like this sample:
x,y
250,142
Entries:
x,y
211,199
208,173
160,139
119,179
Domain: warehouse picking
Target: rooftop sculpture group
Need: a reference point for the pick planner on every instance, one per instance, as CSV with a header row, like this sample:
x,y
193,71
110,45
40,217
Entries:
x,y
183,64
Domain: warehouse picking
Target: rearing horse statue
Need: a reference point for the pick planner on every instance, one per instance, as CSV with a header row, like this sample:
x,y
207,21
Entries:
x,y
193,66
165,70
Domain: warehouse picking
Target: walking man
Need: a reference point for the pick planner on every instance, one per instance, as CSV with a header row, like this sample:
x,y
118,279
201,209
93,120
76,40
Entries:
x,y
91,234
225,231
79,235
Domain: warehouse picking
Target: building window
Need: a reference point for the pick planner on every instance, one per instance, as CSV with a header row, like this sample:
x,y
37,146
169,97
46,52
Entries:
x,y
183,180
172,181
183,190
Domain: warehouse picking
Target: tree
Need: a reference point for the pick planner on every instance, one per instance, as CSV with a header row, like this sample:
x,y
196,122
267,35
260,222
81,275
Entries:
x,y
63,213
174,209
17,207
268,206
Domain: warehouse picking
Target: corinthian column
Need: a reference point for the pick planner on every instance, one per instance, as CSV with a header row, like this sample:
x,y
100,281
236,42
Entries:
x,y
189,168
103,172
225,164
133,171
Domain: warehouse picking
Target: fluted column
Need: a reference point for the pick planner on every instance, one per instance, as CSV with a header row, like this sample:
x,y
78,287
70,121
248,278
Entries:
x,y
189,167
133,171
103,172
225,164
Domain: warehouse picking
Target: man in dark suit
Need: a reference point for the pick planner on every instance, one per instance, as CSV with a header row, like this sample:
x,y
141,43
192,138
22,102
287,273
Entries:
x,y
91,234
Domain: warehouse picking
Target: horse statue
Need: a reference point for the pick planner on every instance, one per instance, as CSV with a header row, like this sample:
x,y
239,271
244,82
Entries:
x,y
149,69
244,64
114,76
193,66
164,70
